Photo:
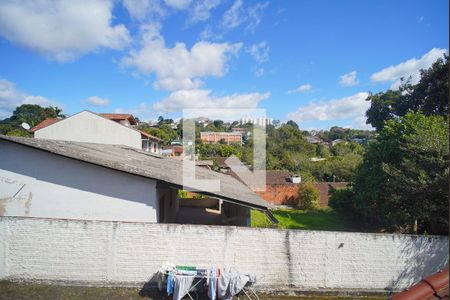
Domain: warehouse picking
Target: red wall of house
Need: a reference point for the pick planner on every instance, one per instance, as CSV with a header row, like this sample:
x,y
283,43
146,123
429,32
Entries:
x,y
280,194
287,194
324,188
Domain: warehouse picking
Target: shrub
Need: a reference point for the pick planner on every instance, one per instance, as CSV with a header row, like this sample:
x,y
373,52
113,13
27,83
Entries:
x,y
308,197
341,200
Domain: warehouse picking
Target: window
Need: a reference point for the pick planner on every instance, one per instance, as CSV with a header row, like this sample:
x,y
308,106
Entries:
x,y
145,145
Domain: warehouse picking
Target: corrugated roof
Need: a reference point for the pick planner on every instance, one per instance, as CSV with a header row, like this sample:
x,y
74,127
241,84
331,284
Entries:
x,y
45,123
137,162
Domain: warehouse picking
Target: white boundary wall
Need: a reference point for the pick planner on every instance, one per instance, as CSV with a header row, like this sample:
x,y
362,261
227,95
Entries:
x,y
108,253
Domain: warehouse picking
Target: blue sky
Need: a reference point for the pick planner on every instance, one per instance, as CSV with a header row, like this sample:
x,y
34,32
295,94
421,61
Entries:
x,y
311,61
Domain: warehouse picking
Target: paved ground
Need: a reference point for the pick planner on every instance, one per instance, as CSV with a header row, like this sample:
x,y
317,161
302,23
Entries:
x,y
13,291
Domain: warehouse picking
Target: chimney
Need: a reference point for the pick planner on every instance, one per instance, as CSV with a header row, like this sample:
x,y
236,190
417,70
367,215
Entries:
x,y
296,178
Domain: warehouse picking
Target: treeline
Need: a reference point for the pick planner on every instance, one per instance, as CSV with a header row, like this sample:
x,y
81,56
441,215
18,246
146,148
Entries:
x,y
402,184
31,114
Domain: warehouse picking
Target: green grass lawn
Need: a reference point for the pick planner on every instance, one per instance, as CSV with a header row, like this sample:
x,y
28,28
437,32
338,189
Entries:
x,y
322,219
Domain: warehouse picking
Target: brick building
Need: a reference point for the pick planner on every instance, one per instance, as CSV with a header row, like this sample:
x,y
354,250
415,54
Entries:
x,y
281,190
210,137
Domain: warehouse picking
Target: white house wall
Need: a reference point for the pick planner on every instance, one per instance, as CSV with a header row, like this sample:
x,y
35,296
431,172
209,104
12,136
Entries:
x,y
40,184
91,128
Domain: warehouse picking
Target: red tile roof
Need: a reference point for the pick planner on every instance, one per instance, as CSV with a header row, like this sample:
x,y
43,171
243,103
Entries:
x,y
45,123
120,117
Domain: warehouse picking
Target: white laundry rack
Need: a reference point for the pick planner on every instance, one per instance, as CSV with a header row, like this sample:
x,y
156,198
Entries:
x,y
246,290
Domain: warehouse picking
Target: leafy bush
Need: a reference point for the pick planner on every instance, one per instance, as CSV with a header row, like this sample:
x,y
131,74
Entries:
x,y
341,200
308,197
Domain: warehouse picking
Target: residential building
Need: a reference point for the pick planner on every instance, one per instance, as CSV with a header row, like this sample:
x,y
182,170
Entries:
x,y
211,137
261,121
282,188
86,181
124,119
174,150
89,127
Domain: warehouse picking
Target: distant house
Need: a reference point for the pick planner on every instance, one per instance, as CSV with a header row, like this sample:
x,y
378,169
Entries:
x,y
211,137
89,127
282,188
174,150
124,119
86,181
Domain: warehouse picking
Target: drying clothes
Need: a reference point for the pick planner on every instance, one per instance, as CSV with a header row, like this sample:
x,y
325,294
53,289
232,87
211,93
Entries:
x,y
169,288
212,284
230,283
182,285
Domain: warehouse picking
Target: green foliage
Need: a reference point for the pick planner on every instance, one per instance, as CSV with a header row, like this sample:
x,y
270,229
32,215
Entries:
x,y
322,151
222,150
33,114
403,179
430,96
164,132
308,197
162,121
27,113
292,124
341,200
182,194
19,132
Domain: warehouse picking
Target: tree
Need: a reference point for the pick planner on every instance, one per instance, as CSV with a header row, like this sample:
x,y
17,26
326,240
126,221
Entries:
x,y
402,184
32,114
292,123
429,95
308,196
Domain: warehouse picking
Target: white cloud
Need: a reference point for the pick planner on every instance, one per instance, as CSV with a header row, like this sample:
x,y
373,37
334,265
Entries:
x,y
178,4
260,52
202,10
178,67
143,111
408,68
234,16
11,97
61,30
237,14
354,106
255,15
179,100
302,88
349,79
209,34
143,9
420,19
96,101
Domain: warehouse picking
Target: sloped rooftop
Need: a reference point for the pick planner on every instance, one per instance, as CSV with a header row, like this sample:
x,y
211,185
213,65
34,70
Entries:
x,y
133,161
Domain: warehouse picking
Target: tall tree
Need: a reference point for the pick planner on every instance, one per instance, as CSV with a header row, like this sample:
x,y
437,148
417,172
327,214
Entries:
x,y
402,184
429,95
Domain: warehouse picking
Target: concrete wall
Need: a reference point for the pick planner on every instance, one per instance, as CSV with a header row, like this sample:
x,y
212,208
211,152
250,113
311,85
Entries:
x,y
91,128
106,253
40,184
